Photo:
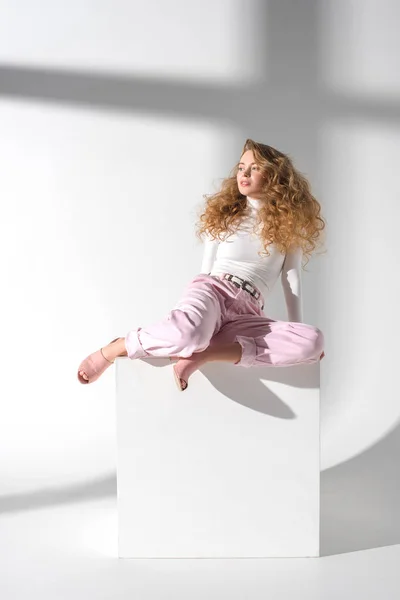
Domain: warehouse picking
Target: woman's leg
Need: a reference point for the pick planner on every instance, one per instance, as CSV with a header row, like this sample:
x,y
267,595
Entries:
x,y
185,367
187,328
252,340
274,343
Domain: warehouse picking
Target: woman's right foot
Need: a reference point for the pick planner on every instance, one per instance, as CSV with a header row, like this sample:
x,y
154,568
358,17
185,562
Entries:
x,y
96,363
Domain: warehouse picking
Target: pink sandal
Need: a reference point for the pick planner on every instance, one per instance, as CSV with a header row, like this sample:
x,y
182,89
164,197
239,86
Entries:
x,y
94,365
181,386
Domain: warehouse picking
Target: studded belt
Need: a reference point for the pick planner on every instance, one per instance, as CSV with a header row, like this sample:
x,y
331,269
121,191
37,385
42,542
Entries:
x,y
245,285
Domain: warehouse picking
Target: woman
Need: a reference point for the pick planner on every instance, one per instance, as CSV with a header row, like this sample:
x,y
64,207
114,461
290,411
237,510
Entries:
x,y
258,227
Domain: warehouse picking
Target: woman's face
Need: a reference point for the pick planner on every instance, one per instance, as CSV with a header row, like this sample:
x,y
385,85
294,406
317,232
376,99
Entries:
x,y
249,176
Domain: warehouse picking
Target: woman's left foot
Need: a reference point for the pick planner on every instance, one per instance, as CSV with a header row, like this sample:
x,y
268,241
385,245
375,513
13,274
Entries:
x,y
183,369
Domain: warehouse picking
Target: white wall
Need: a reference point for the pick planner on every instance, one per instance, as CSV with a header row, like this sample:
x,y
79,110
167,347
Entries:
x,y
98,204
115,118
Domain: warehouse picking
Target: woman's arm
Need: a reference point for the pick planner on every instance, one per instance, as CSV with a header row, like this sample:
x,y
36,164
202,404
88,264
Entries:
x,y
209,253
292,284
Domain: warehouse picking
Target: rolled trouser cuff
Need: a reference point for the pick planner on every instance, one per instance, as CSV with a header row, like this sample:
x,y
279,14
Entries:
x,y
134,346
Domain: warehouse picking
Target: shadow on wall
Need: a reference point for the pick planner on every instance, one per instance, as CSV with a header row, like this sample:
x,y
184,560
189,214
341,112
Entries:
x,y
360,500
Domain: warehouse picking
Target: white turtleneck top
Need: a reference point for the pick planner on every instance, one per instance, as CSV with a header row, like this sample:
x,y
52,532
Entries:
x,y
238,254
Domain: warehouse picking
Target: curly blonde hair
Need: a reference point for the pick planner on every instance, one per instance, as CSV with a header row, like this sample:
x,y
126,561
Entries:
x,y
290,216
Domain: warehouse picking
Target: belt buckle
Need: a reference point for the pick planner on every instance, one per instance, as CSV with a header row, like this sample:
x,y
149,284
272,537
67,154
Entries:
x,y
243,284
238,284
245,287
251,291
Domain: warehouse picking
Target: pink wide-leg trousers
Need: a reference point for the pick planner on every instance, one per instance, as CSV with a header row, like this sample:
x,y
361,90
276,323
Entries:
x,y
213,311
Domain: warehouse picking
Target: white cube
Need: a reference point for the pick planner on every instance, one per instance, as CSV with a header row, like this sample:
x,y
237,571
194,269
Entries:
x,y
229,468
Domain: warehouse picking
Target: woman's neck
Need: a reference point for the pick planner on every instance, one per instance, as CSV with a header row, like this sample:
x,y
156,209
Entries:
x,y
253,202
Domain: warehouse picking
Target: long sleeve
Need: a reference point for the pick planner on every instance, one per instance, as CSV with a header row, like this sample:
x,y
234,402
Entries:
x,y
292,284
209,253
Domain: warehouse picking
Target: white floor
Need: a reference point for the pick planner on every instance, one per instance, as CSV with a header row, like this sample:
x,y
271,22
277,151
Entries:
x,y
64,545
